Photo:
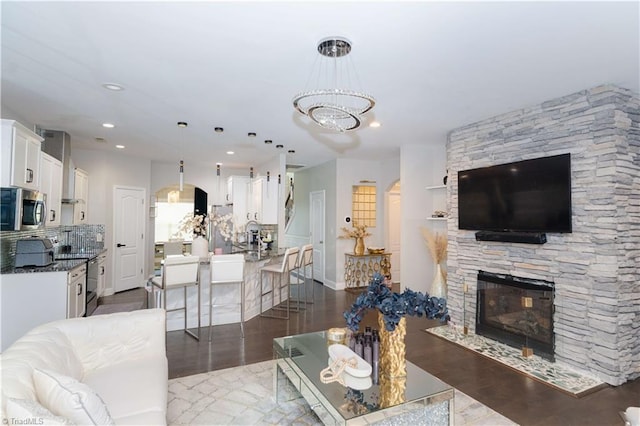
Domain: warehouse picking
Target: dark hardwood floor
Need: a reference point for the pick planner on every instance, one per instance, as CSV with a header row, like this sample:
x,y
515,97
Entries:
x,y
521,399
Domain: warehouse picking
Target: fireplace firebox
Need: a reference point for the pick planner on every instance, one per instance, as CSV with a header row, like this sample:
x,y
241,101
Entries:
x,y
516,311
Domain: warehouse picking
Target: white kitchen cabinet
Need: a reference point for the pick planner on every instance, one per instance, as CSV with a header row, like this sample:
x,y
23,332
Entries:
x,y
22,167
237,192
28,300
76,291
102,277
80,193
264,201
51,184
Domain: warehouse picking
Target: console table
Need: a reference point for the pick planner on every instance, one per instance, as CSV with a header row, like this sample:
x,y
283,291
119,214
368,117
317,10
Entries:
x,y
418,399
359,269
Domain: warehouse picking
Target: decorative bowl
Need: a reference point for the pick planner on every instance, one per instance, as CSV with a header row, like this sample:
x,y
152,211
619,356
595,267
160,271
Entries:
x,y
375,250
362,368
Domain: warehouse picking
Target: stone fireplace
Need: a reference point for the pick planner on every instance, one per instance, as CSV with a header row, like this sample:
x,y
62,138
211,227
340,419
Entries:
x,y
595,270
516,311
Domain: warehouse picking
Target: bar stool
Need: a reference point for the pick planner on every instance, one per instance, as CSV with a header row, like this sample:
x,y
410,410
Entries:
x,y
227,269
284,269
180,271
305,260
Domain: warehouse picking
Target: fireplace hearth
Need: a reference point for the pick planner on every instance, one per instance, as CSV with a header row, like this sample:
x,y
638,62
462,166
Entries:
x,y
516,311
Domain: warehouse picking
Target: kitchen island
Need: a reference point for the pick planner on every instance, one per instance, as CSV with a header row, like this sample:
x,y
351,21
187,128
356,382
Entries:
x,y
226,297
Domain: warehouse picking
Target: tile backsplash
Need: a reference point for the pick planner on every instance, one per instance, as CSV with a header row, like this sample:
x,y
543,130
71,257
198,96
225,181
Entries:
x,y
80,238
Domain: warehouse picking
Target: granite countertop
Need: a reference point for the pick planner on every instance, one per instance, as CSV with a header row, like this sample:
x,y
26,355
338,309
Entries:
x,y
86,255
57,266
63,262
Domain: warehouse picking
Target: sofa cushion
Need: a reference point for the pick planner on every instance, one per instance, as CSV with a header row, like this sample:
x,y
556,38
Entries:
x,y
67,397
22,411
132,387
43,347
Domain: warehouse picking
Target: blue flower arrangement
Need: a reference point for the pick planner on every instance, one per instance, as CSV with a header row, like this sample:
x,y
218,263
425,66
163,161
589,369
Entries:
x,y
394,306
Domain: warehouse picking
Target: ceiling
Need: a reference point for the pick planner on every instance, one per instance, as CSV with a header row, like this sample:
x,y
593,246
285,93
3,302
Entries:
x,y
432,67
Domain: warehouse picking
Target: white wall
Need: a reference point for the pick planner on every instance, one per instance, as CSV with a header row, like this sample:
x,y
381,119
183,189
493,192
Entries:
x,y
420,166
350,173
107,169
336,178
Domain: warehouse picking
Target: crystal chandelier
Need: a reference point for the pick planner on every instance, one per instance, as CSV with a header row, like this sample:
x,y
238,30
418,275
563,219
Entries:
x,y
337,108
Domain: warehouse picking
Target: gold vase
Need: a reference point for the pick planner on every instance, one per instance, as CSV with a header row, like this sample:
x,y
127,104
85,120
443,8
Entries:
x,y
358,249
393,363
392,391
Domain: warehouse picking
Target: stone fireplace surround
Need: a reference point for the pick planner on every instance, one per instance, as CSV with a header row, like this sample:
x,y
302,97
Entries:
x,y
596,268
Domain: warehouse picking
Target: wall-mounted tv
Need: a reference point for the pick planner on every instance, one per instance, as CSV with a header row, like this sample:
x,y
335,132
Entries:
x,y
524,196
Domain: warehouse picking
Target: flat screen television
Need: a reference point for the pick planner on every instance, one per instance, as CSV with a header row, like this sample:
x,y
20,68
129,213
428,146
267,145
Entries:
x,y
524,196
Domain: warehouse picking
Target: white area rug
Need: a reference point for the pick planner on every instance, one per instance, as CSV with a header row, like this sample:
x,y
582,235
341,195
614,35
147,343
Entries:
x,y
243,396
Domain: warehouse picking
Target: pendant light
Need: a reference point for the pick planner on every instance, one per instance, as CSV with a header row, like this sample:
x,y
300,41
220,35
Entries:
x,y
181,175
182,125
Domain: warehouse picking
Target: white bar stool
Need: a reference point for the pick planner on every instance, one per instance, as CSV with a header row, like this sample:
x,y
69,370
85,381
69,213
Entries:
x,y
284,269
227,269
305,261
180,271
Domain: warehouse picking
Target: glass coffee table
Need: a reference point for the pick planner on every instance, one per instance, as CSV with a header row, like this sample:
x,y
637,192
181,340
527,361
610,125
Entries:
x,y
420,398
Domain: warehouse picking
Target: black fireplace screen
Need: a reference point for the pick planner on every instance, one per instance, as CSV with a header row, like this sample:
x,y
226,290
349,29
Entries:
x,y
516,311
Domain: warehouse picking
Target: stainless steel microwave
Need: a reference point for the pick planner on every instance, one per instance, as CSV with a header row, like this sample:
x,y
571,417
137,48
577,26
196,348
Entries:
x,y
22,209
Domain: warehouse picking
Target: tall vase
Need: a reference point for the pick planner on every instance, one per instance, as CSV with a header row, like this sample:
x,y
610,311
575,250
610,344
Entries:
x,y
439,284
393,363
358,249
392,391
200,247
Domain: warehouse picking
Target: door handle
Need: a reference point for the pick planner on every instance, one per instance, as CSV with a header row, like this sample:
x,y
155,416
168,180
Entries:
x,y
29,176
320,242
121,245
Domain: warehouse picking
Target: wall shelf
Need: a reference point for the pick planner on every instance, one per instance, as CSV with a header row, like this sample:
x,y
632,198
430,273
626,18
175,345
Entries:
x,y
438,219
436,187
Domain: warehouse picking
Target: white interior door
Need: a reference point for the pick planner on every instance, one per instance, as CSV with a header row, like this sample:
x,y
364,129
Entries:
x,y
128,237
393,233
317,234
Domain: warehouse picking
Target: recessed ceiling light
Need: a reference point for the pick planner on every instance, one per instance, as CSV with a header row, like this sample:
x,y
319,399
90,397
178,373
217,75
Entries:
x,y
108,125
219,129
251,134
113,86
375,124
182,124
230,152
268,141
120,146
292,151
279,146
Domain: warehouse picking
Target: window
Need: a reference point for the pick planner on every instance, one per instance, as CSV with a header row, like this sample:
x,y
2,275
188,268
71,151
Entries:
x,y
363,205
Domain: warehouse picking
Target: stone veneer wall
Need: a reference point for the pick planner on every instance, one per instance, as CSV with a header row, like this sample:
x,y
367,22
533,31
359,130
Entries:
x,y
596,269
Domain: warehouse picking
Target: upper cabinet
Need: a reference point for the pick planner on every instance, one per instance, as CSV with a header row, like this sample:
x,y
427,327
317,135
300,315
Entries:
x,y
51,185
237,194
80,194
253,199
22,167
264,201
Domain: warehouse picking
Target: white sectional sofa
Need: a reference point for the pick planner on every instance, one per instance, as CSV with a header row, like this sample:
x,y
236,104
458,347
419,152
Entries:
x,y
120,358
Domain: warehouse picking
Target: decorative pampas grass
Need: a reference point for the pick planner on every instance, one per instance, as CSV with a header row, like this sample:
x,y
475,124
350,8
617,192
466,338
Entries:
x,y
436,243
